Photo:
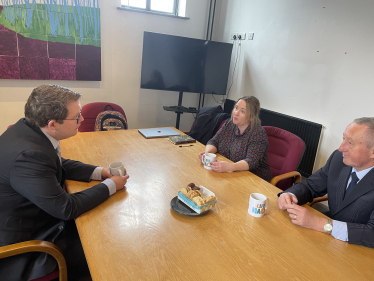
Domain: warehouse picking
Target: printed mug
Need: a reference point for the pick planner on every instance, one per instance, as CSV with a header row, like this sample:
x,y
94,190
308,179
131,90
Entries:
x,y
258,203
207,158
117,168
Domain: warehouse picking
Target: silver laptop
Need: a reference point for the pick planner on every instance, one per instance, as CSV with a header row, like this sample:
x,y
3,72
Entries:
x,y
158,132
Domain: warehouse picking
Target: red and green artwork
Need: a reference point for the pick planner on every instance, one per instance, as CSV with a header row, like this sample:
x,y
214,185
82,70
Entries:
x,y
50,40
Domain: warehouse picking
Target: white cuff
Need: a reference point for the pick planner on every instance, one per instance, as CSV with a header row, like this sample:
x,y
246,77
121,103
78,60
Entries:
x,y
111,186
96,174
340,230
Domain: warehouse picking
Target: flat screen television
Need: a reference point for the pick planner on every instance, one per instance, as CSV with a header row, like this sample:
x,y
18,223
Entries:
x,y
175,63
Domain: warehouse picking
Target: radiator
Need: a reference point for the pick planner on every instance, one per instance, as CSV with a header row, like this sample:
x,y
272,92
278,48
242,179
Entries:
x,y
308,131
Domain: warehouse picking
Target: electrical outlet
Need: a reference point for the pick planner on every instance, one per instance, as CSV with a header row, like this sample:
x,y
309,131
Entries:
x,y
241,35
233,36
250,35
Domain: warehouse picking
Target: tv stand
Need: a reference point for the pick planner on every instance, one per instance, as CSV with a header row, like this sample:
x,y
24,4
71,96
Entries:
x,y
179,109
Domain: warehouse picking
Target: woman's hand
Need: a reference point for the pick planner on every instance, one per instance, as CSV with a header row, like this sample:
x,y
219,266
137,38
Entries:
x,y
201,155
221,166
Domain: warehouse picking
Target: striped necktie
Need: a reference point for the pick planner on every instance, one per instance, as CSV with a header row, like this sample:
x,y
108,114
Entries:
x,y
352,184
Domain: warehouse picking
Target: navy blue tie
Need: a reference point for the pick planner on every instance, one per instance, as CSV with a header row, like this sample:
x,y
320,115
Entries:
x,y
352,184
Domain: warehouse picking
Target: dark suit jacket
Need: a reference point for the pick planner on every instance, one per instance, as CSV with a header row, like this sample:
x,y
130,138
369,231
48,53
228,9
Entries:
x,y
357,209
33,205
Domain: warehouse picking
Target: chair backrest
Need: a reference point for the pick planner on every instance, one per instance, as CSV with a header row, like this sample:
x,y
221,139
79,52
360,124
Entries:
x,y
284,153
90,112
207,120
215,130
219,127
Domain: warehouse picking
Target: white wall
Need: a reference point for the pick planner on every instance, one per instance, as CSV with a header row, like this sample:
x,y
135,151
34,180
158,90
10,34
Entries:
x,y
309,59
122,41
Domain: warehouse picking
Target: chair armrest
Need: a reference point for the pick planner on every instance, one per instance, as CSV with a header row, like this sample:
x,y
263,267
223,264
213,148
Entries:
x,y
37,246
292,174
318,199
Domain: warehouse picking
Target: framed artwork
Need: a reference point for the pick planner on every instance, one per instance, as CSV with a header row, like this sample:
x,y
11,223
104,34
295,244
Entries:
x,y
50,40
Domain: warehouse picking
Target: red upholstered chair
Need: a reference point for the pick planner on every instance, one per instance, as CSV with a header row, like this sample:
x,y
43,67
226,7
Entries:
x,y
39,246
90,112
285,152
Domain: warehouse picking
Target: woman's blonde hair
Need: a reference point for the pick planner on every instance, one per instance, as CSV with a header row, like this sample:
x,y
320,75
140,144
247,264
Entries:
x,y
252,110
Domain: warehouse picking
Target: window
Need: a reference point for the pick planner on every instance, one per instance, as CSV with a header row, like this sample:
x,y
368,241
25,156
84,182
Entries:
x,y
168,7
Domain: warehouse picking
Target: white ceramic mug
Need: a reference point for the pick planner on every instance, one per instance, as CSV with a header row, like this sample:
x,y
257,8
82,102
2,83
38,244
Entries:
x,y
258,203
207,158
117,168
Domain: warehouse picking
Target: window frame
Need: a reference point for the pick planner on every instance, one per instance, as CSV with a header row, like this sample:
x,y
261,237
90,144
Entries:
x,y
149,11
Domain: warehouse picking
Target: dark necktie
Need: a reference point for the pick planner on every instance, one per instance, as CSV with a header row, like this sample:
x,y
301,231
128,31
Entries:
x,y
352,184
58,151
62,183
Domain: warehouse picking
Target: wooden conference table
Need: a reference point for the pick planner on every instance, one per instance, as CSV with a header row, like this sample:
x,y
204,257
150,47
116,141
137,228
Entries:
x,y
135,235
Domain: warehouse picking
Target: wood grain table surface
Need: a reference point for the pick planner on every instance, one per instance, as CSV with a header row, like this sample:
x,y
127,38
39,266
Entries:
x,y
135,235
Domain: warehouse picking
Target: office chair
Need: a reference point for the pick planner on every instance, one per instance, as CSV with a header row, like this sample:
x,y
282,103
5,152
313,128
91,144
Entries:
x,y
284,155
39,246
90,112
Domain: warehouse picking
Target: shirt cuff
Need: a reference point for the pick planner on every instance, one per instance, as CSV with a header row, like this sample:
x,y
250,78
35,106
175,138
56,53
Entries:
x,y
111,186
340,230
292,194
96,174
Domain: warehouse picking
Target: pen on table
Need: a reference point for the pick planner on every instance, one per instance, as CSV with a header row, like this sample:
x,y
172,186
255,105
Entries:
x,y
186,145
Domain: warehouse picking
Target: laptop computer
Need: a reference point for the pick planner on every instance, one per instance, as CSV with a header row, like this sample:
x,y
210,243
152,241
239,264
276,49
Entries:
x,y
158,132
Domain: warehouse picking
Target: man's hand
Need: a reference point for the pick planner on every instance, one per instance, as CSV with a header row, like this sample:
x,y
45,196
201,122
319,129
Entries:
x,y
286,199
303,217
221,166
120,181
105,173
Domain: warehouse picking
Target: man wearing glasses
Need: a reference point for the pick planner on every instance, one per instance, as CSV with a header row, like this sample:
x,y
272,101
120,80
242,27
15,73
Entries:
x,y
33,202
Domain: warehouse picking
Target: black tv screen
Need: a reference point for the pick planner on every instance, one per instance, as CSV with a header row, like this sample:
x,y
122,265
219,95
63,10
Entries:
x,y
182,64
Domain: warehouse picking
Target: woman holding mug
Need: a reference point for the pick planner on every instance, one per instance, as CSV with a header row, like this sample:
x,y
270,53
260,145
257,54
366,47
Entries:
x,y
242,140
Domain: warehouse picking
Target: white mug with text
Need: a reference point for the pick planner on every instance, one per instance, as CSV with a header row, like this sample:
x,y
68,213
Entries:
x,y
258,203
207,158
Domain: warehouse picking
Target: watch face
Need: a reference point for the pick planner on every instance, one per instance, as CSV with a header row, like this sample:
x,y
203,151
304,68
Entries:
x,y
328,227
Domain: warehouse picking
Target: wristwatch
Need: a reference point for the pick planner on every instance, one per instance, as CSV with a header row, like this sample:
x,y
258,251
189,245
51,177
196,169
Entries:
x,y
328,226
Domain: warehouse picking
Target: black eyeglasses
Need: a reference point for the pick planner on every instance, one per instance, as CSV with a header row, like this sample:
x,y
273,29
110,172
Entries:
x,y
79,117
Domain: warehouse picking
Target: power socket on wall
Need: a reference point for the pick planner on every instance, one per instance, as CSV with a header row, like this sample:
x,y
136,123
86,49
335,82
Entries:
x,y
233,36
241,35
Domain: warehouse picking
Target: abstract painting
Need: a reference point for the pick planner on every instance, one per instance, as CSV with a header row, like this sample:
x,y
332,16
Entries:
x,y
50,40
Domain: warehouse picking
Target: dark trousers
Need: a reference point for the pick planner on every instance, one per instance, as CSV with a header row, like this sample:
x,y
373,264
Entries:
x,y
71,246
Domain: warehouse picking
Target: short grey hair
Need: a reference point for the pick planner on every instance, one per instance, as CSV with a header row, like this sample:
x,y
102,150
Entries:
x,y
49,102
369,134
